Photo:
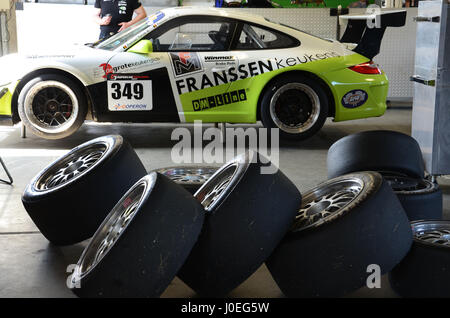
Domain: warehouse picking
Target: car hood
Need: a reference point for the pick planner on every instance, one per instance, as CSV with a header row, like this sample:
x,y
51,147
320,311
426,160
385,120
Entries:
x,y
84,62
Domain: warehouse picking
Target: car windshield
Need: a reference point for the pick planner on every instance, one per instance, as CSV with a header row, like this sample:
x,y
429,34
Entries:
x,y
120,39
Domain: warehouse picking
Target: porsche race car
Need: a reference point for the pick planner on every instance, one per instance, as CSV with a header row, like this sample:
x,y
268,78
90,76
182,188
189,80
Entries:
x,y
185,64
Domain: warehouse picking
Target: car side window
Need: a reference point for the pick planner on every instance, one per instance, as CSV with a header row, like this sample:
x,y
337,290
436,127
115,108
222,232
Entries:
x,y
195,36
254,38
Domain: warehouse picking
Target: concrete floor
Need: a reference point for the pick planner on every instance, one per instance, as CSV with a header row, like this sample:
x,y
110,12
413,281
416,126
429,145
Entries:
x,y
31,267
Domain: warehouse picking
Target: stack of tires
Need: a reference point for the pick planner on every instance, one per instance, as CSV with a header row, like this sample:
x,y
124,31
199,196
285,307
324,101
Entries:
x,y
425,271
214,227
147,228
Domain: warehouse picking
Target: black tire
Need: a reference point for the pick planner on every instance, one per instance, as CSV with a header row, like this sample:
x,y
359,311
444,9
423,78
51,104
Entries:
x,y
377,150
41,106
68,208
308,94
189,177
421,199
248,214
142,243
345,224
425,271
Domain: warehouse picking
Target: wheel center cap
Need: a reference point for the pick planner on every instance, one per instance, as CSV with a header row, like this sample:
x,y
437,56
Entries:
x,y
52,106
73,167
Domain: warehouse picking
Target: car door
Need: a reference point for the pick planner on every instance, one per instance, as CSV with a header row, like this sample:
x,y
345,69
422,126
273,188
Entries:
x,y
139,88
200,64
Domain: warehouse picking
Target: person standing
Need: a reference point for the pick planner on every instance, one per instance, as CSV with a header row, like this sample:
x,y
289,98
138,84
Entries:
x,y
116,15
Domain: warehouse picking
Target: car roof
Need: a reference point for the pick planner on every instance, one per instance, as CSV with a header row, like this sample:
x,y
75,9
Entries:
x,y
208,11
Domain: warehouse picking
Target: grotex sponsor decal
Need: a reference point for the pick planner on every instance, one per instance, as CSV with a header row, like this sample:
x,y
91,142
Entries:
x,y
354,98
196,82
109,69
219,100
185,63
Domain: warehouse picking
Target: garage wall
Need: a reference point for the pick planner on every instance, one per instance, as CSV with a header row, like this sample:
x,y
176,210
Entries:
x,y
72,23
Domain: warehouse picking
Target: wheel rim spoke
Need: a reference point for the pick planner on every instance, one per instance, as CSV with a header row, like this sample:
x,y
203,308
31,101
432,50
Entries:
x,y
73,166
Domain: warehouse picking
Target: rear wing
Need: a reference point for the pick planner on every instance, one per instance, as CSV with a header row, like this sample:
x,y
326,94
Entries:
x,y
367,30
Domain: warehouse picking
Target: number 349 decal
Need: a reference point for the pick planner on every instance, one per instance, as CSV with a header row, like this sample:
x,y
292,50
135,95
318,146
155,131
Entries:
x,y
129,94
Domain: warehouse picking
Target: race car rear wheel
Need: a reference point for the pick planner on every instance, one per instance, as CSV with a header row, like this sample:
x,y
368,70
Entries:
x,y
52,106
297,105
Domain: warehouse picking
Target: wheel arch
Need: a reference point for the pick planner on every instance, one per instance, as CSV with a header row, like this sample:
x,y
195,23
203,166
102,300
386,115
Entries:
x,y
25,79
323,84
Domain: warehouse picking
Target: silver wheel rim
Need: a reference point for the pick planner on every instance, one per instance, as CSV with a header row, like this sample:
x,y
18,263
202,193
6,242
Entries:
x,y
216,188
51,106
112,228
401,184
432,232
71,167
326,203
306,119
187,175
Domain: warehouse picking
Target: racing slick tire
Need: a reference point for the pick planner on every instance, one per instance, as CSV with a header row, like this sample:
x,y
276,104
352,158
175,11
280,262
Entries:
x,y
142,243
247,215
425,271
295,104
52,106
421,199
189,177
344,225
377,150
70,198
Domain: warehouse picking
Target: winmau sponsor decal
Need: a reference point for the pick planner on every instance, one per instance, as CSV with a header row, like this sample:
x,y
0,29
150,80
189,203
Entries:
x,y
243,71
219,100
219,58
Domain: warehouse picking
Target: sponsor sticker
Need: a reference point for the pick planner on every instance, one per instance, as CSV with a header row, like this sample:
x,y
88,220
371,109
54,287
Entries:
x,y
129,93
219,100
354,98
185,63
157,16
107,68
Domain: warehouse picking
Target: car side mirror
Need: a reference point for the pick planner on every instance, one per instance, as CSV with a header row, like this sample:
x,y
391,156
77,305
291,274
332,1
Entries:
x,y
142,47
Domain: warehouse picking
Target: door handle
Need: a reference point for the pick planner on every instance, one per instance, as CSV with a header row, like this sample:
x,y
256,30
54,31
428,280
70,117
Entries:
x,y
421,80
427,19
224,68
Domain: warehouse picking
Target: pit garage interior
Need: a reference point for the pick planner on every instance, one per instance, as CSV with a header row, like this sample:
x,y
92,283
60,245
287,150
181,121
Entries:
x,y
31,266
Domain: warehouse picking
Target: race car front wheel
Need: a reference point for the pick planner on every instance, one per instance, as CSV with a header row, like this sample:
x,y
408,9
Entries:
x,y
52,106
295,104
